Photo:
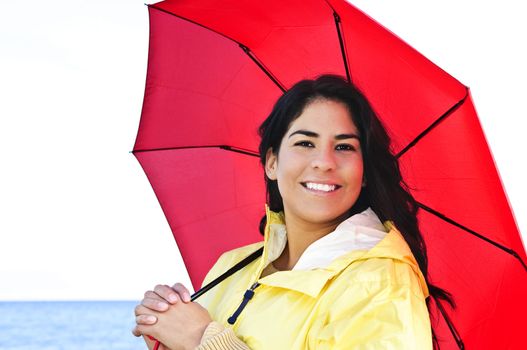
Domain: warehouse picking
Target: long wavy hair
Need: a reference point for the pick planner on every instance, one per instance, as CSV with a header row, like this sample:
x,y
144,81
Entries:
x,y
385,192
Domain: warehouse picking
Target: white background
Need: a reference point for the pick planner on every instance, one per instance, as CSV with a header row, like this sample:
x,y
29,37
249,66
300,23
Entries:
x,y
78,219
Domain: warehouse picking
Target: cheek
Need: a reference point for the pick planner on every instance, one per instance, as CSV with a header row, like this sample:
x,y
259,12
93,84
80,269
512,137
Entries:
x,y
356,172
290,166
286,176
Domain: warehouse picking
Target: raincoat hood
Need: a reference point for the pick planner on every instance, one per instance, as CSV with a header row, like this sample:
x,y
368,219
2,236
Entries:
x,y
360,237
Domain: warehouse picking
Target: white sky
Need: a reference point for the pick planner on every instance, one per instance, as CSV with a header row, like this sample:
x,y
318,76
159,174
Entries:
x,y
78,218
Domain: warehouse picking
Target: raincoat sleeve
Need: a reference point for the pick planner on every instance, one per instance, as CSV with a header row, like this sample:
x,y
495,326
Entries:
x,y
386,313
218,337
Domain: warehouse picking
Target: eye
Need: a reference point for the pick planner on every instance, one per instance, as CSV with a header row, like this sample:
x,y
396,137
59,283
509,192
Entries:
x,y
345,147
304,144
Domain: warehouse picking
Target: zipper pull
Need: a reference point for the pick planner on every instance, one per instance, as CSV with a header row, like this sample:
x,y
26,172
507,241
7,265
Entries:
x,y
248,295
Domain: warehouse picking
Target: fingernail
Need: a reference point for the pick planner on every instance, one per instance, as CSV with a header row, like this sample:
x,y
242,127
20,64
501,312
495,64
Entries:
x,y
162,305
186,297
172,298
151,319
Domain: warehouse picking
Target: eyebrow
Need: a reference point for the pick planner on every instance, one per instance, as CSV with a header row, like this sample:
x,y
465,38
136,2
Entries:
x,y
314,134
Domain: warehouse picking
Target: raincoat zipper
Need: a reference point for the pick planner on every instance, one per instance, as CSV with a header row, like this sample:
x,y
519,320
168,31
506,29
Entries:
x,y
248,295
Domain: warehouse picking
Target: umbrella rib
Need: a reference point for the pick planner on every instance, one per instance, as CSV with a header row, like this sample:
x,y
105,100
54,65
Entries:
x,y
341,42
472,232
224,147
262,67
450,324
433,125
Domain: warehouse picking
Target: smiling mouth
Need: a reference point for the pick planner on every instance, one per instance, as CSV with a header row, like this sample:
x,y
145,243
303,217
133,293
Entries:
x,y
320,187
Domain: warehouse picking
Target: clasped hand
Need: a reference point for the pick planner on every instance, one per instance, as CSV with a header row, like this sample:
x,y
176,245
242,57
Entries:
x,y
167,314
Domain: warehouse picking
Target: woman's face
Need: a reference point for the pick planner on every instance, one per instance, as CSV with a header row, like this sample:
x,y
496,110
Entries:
x,y
319,167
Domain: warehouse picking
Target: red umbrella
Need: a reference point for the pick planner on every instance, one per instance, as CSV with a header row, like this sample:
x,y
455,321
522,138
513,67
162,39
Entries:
x,y
214,71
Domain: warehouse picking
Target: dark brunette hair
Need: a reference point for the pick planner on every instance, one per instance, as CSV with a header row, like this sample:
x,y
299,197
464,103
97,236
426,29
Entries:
x,y
385,192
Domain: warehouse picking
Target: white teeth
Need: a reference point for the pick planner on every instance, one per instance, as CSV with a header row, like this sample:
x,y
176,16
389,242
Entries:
x,y
320,187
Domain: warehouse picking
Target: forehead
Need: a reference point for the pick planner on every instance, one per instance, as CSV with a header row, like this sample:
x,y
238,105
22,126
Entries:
x,y
324,115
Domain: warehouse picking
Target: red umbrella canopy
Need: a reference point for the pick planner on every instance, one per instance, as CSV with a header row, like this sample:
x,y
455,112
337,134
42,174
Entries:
x,y
215,70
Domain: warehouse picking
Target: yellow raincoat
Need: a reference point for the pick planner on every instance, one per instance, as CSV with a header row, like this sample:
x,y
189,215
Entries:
x,y
364,299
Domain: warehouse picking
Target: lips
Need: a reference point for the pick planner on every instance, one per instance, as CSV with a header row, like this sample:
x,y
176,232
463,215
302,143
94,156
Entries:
x,y
320,187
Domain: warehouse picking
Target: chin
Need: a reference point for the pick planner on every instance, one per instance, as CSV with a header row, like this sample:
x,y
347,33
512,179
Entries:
x,y
321,217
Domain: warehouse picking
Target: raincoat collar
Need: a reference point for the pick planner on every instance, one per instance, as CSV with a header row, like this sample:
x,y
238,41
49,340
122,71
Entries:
x,y
310,279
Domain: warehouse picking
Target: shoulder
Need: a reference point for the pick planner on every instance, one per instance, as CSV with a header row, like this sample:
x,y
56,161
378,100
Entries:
x,y
390,262
229,259
389,270
376,280
378,298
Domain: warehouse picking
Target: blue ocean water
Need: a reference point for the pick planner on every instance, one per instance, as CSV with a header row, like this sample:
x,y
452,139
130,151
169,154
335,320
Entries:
x,y
79,325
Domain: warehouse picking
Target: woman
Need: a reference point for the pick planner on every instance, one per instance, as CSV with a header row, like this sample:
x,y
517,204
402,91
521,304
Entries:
x,y
344,265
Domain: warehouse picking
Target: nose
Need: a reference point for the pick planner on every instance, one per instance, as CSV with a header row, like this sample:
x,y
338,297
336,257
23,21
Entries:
x,y
324,159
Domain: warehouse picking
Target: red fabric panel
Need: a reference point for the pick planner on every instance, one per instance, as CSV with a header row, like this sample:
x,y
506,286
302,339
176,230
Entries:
x,y
213,200
199,86
452,171
488,285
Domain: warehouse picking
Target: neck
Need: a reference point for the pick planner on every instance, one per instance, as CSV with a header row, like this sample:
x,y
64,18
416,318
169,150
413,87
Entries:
x,y
299,236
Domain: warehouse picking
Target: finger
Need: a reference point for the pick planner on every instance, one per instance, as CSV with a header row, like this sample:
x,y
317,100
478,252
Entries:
x,y
155,304
182,291
145,319
142,310
167,293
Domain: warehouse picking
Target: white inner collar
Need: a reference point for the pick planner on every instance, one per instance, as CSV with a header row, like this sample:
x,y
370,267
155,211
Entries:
x,y
361,231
